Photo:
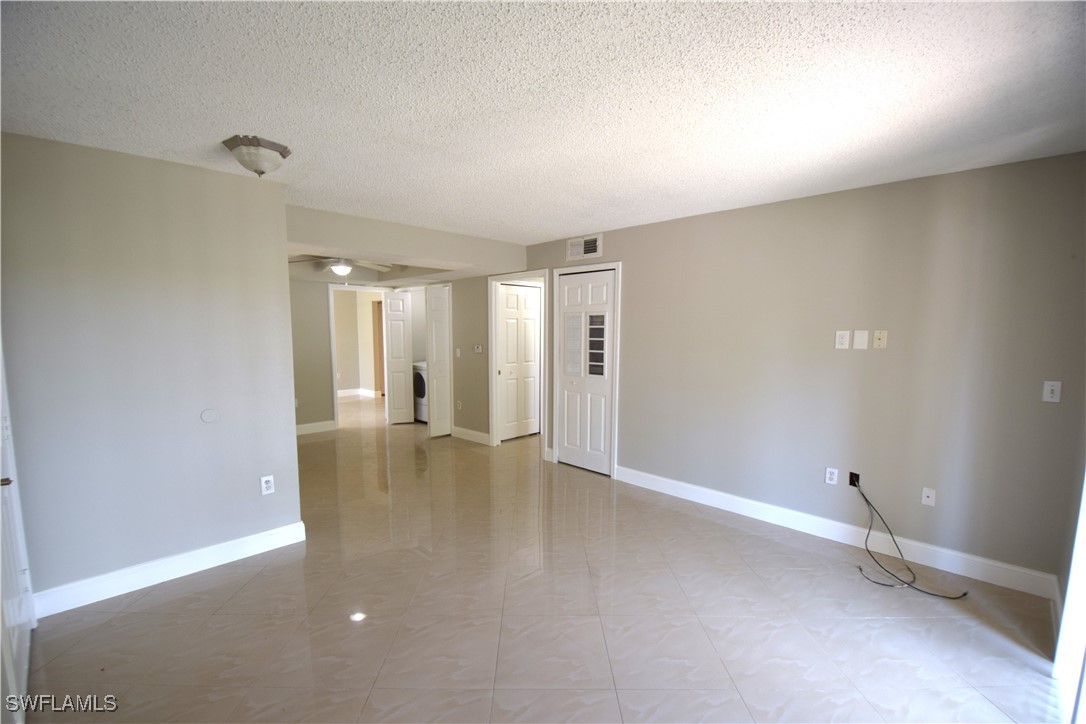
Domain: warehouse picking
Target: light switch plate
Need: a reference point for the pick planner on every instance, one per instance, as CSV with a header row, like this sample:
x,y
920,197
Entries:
x,y
841,339
880,338
1052,391
859,339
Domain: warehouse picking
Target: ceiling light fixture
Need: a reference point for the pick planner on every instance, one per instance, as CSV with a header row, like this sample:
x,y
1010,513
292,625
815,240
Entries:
x,y
341,268
259,155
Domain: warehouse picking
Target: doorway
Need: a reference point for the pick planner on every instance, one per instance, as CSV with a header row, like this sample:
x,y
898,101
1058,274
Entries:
x,y
517,365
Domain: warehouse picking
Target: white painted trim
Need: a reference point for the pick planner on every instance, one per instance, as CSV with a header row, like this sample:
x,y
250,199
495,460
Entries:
x,y
548,454
133,578
471,435
313,427
966,564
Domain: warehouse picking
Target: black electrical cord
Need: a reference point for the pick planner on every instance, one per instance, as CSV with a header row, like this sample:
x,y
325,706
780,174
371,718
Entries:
x,y
872,511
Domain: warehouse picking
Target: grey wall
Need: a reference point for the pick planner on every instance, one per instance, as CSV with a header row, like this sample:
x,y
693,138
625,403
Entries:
x,y
314,387
730,380
470,376
345,315
137,293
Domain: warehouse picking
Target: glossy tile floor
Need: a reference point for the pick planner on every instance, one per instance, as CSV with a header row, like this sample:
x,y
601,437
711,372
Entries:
x,y
496,587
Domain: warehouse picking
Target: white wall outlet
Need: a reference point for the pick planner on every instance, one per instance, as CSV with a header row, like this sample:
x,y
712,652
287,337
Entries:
x,y
927,496
880,338
859,339
459,405
267,485
478,349
458,353
831,476
1052,391
295,403
841,339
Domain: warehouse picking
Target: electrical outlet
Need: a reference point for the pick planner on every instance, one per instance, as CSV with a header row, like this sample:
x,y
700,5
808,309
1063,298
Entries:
x,y
831,476
854,479
927,496
478,349
267,485
459,405
841,339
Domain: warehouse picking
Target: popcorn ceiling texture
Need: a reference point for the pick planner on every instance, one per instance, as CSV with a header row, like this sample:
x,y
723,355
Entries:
x,y
531,122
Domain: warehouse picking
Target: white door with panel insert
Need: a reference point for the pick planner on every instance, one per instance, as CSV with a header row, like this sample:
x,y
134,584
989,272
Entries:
x,y
438,359
399,387
585,369
518,366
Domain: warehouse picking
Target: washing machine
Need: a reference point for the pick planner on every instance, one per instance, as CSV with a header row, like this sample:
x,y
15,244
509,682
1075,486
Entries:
x,y
422,405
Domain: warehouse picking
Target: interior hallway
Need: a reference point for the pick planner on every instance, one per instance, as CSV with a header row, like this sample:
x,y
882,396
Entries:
x,y
495,586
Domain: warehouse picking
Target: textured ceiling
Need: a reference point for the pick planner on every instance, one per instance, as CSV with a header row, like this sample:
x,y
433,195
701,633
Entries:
x,y
531,122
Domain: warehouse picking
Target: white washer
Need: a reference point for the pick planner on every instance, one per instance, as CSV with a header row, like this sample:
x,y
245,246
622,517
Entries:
x,y
422,404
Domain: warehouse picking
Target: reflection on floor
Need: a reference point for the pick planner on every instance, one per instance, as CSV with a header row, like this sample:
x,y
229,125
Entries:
x,y
444,580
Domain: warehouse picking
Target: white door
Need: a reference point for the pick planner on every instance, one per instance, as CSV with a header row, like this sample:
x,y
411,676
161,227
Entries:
x,y
18,601
518,364
399,387
439,359
585,368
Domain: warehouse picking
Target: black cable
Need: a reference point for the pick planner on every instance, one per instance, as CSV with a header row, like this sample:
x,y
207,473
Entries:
x,y
872,511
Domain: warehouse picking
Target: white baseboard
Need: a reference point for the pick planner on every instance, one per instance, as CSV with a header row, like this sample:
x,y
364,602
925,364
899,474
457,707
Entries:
x,y
966,564
356,392
548,454
311,427
133,578
471,435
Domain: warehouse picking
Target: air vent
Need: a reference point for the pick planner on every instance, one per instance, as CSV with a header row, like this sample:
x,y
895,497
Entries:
x,y
586,248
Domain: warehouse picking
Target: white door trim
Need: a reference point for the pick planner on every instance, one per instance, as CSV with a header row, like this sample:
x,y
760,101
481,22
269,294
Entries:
x,y
534,277
615,266
441,427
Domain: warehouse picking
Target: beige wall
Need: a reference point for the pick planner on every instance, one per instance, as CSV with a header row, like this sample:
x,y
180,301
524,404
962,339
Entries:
x,y
365,302
314,387
470,376
137,294
345,314
730,380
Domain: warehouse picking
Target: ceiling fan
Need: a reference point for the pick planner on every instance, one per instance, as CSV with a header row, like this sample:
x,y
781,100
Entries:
x,y
339,265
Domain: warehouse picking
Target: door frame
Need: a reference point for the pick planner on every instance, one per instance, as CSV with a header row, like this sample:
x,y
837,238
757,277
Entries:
x,y
332,288
447,286
533,277
615,266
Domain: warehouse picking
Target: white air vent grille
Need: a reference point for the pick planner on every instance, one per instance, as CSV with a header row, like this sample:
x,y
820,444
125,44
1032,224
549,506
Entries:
x,y
585,248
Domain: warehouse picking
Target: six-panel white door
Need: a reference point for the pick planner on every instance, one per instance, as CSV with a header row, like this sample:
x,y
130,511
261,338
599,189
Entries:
x,y
399,387
586,346
518,366
438,359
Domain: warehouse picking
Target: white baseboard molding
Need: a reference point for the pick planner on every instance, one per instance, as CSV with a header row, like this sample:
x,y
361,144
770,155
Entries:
x,y
471,435
548,454
311,427
966,564
356,392
91,590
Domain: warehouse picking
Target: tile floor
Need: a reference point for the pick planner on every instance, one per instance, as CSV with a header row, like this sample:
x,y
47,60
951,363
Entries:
x,y
497,587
